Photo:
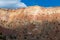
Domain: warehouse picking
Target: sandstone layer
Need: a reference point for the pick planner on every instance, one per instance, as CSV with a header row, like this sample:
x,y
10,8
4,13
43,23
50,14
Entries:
x,y
31,23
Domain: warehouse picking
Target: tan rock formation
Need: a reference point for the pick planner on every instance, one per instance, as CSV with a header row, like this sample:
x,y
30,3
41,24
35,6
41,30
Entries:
x,y
31,23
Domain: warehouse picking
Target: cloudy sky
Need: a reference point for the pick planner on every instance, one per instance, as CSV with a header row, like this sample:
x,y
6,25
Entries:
x,y
24,3
11,4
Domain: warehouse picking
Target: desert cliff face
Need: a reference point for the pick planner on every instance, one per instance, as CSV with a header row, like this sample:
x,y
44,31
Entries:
x,y
31,23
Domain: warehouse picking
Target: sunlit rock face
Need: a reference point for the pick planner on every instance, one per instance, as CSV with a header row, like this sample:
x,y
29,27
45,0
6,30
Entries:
x,y
31,23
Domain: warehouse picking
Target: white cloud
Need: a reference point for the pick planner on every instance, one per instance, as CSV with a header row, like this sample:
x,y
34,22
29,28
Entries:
x,y
11,4
21,4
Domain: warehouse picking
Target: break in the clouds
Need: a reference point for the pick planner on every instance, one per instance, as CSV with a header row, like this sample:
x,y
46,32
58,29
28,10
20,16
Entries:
x,y
13,4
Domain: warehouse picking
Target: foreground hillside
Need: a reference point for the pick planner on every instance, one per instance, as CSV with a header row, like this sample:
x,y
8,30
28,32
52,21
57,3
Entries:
x,y
31,23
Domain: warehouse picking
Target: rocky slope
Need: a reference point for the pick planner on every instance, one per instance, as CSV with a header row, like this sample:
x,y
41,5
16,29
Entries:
x,y
31,23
